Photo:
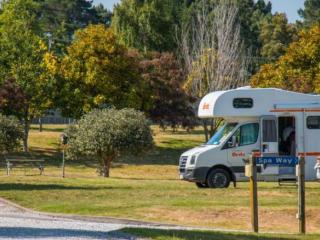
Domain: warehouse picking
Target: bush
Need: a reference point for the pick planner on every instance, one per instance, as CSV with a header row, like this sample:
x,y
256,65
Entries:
x,y
11,134
107,134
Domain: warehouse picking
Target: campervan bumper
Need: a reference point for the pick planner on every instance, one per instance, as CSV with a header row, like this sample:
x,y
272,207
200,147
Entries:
x,y
194,174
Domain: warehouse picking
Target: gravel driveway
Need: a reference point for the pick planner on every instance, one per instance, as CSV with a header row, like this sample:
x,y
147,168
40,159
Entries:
x,y
19,223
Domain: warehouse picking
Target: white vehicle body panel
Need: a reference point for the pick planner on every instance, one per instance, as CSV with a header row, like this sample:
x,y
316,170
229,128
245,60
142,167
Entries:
x,y
266,102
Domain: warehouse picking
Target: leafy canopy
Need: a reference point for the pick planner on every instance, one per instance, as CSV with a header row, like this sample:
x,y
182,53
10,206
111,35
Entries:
x,y
97,71
22,58
11,134
107,134
298,69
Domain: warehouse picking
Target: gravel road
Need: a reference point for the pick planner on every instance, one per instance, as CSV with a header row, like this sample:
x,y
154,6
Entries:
x,y
18,223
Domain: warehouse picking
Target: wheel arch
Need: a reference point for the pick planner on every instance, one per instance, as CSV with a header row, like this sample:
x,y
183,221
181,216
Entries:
x,y
220,166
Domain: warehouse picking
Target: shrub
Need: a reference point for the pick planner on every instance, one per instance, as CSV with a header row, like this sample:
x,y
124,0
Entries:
x,y
107,134
11,134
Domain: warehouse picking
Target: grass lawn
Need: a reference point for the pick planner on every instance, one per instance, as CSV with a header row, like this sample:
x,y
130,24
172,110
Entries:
x,y
149,189
204,235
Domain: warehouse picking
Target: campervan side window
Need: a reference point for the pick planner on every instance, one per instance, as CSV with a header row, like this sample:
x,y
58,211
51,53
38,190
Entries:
x,y
313,122
242,102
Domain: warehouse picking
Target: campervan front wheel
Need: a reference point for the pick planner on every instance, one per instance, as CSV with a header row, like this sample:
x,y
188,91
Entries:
x,y
201,185
218,178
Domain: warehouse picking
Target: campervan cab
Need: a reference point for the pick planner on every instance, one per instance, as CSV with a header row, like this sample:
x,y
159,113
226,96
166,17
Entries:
x,y
270,121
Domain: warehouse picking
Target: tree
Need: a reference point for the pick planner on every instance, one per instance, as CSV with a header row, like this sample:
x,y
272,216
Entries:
x,y
96,72
22,58
170,105
11,134
107,134
12,98
212,52
148,25
276,34
298,69
59,19
311,13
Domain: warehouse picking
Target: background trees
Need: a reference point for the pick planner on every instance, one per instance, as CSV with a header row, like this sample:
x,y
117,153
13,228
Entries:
x,y
107,134
97,71
59,19
22,59
11,134
276,34
298,69
311,13
148,25
169,103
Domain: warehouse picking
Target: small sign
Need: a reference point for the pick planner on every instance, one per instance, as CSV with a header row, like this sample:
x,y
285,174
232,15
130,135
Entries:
x,y
278,161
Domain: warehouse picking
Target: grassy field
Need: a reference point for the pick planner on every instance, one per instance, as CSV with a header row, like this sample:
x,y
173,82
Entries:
x,y
149,189
204,235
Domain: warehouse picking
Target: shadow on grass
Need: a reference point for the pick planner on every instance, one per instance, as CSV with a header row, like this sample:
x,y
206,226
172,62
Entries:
x,y
38,233
45,187
48,129
197,235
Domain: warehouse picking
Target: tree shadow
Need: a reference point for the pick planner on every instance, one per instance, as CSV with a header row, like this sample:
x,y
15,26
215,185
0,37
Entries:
x,y
56,233
195,235
46,187
48,129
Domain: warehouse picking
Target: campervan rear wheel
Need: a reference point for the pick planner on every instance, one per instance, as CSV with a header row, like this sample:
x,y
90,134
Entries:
x,y
201,185
218,178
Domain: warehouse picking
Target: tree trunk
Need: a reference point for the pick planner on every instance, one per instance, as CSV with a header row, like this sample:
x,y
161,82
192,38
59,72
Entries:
x,y
26,128
206,131
106,166
40,124
212,127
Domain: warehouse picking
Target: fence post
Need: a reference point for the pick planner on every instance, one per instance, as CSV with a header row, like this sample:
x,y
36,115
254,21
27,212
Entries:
x,y
254,194
301,193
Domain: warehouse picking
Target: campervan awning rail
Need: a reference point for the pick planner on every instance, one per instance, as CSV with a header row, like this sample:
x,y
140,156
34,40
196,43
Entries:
x,y
297,105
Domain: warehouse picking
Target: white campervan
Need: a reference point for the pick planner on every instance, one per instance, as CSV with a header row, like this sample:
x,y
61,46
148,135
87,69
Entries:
x,y
271,121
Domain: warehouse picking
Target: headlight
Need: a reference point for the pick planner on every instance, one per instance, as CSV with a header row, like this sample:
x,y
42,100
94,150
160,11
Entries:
x,y
193,160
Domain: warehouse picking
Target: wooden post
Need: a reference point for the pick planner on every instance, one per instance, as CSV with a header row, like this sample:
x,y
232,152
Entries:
x,y
254,195
63,163
8,168
301,189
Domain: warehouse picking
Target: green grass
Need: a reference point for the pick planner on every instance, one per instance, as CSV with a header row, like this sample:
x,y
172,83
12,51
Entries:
x,y
204,235
149,189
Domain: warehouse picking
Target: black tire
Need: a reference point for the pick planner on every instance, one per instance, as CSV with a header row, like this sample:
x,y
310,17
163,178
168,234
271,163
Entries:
x,y
218,178
201,185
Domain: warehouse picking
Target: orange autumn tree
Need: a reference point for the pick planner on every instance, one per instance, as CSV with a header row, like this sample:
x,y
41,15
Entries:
x,y
298,69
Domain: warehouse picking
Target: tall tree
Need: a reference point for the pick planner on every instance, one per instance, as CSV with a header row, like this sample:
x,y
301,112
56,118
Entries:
x,y
170,105
213,52
22,58
310,13
148,25
96,71
298,69
276,34
59,19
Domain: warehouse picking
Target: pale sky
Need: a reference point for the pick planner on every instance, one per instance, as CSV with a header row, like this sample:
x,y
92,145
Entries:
x,y
290,7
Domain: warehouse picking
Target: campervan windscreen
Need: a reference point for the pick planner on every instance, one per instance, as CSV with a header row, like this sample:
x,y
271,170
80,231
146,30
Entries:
x,y
222,133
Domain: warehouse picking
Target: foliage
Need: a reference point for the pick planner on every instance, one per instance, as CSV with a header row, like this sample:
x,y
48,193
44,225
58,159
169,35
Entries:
x,y
12,98
107,134
11,134
96,72
22,58
59,19
276,34
298,69
170,105
148,25
310,13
